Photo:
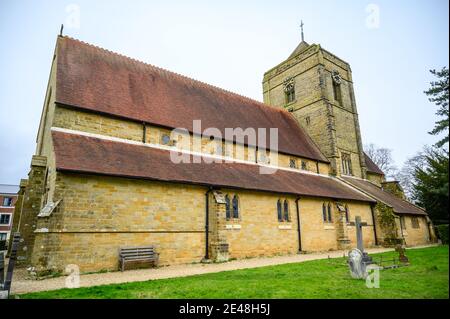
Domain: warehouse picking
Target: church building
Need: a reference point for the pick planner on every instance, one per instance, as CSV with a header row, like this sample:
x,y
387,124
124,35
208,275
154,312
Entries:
x,y
107,172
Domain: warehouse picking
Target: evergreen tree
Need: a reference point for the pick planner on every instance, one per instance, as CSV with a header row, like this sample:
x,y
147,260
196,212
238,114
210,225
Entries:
x,y
439,96
430,186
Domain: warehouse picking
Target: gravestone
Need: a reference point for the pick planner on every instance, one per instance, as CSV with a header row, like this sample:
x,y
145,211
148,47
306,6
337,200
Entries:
x,y
358,260
401,254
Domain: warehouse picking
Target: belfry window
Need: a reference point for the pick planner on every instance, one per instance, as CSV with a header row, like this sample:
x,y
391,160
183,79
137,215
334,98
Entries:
x,y
346,164
289,89
290,95
347,216
337,80
337,93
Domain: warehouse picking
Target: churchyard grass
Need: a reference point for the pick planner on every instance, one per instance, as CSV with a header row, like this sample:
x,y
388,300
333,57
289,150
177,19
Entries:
x,y
426,277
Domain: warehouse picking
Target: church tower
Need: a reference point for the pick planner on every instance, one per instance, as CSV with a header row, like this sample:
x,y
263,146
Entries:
x,y
316,87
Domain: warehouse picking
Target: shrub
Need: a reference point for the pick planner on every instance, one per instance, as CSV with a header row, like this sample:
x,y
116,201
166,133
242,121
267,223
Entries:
x,y
443,233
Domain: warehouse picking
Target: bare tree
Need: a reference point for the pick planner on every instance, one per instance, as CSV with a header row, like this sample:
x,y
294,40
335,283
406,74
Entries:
x,y
383,158
406,174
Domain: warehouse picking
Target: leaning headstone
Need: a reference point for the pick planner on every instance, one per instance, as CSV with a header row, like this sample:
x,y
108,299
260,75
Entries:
x,y
401,254
356,264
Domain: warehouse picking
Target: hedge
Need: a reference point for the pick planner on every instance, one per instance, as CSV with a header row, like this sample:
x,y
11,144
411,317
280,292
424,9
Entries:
x,y
443,233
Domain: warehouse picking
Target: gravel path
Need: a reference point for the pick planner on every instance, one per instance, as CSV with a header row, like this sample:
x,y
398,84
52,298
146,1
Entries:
x,y
21,284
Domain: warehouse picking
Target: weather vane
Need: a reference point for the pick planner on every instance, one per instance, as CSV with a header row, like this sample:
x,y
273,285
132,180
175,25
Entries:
x,y
301,26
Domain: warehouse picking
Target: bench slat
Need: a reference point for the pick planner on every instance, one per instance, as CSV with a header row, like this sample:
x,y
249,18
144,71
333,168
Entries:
x,y
140,258
138,252
137,248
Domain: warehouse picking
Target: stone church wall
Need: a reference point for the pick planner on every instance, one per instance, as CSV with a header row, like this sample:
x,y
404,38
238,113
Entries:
x,y
98,215
416,236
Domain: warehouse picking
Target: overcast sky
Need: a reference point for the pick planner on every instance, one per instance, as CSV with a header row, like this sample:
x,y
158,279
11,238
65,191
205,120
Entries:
x,y
390,46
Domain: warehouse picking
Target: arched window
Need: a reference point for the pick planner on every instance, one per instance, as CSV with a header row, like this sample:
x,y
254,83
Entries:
x,y
347,216
279,211
227,207
286,211
324,212
329,213
235,207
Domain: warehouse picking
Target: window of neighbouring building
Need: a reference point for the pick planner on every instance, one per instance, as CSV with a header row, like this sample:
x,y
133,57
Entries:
x,y
4,219
415,222
7,201
3,236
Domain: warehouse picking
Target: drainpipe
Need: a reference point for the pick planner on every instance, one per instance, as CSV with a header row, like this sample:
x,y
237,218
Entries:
x,y
298,226
401,229
373,222
430,239
207,224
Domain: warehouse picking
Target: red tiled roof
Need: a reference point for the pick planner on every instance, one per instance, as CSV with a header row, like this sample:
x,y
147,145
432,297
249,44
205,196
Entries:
x,y
98,80
399,205
371,166
83,154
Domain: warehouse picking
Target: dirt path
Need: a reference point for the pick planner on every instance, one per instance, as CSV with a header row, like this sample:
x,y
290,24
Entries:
x,y
22,285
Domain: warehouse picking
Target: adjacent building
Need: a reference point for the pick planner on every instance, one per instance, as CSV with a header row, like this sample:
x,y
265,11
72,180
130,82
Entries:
x,y
109,172
8,198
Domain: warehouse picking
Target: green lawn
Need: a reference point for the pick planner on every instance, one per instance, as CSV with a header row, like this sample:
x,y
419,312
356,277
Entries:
x,y
426,277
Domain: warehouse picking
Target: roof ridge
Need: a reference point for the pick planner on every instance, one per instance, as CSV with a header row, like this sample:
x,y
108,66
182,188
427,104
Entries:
x,y
178,75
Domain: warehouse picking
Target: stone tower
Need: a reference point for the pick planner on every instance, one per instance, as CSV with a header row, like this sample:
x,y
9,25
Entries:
x,y
316,86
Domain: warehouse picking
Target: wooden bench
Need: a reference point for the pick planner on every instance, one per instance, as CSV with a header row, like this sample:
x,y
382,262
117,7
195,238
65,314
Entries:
x,y
131,254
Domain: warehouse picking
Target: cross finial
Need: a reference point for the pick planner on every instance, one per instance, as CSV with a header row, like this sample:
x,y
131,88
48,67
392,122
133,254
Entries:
x,y
301,26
